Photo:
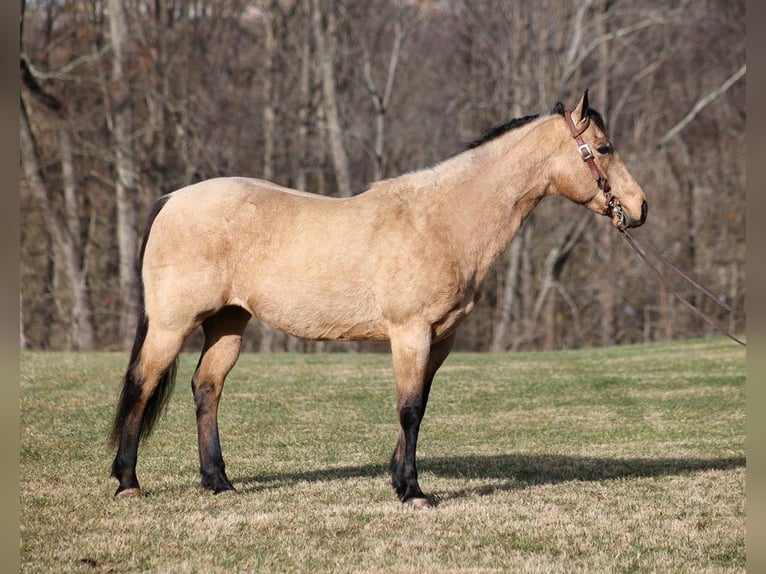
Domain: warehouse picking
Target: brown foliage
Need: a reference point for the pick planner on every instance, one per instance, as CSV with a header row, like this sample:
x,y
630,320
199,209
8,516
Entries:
x,y
206,101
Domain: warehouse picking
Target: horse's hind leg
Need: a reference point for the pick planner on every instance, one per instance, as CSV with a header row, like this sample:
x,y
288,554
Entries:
x,y
146,388
223,335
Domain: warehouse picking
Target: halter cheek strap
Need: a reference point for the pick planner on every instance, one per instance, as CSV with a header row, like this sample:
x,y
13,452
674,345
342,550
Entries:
x,y
586,153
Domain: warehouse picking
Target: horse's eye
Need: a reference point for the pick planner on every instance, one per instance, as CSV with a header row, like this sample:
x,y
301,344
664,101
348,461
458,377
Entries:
x,y
604,149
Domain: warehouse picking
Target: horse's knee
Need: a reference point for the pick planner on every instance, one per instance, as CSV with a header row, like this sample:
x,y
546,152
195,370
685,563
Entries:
x,y
206,393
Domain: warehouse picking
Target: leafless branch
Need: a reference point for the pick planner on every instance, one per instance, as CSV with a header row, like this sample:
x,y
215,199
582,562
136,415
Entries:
x,y
701,103
65,71
574,61
577,33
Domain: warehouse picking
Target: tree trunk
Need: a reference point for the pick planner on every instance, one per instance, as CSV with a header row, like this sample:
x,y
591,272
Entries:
x,y
153,156
382,99
552,269
503,318
299,154
526,288
66,239
125,186
325,43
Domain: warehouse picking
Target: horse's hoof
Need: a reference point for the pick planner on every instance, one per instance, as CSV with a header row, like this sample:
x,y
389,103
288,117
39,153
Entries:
x,y
419,503
133,492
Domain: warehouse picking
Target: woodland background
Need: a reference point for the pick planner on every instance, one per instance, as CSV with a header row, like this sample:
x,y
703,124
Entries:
x,y
123,101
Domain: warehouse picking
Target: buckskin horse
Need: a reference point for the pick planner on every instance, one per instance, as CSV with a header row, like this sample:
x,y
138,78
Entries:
x,y
402,262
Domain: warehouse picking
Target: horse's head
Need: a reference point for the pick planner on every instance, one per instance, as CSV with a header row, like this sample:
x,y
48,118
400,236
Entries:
x,y
588,169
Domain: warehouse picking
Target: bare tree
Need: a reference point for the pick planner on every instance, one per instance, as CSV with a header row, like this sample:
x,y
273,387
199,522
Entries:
x,y
64,227
64,231
325,39
702,102
157,94
381,96
125,184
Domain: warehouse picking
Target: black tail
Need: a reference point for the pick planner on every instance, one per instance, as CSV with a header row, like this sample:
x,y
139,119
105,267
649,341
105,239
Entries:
x,y
132,383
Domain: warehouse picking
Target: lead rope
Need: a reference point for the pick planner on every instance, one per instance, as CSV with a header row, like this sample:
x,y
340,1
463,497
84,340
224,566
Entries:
x,y
641,247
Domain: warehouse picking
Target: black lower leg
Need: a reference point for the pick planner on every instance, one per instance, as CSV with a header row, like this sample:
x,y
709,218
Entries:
x,y
404,475
124,464
395,466
212,468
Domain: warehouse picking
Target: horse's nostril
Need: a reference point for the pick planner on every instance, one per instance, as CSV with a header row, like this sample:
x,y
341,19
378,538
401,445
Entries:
x,y
644,209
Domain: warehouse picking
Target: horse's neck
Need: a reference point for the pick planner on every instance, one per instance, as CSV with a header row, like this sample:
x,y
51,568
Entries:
x,y
487,194
495,219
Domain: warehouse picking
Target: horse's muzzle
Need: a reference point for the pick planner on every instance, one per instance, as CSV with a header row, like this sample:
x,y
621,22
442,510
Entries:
x,y
622,220
637,222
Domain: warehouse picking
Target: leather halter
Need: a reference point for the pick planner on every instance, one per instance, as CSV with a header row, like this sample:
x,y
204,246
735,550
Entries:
x,y
586,153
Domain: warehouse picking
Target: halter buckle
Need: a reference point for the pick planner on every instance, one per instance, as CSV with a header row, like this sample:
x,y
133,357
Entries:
x,y
585,152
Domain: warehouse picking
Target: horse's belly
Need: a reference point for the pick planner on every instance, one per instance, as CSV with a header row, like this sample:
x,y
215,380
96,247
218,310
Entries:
x,y
358,332
338,318
318,328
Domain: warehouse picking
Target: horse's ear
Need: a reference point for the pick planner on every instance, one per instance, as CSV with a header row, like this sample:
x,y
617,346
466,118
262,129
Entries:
x,y
580,112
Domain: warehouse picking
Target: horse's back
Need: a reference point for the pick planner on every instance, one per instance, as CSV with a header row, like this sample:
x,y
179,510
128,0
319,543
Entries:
x,y
288,257
243,209
228,194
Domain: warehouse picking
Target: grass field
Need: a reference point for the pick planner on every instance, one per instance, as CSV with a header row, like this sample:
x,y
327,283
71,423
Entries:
x,y
625,459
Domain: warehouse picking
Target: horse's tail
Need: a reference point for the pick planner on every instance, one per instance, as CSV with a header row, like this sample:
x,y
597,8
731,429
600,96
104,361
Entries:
x,y
133,382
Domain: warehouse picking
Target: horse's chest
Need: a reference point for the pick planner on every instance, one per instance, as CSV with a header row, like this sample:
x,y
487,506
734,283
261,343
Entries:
x,y
449,320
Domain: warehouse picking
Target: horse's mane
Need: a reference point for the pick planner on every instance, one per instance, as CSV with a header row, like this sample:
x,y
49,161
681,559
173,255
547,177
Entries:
x,y
418,177
497,131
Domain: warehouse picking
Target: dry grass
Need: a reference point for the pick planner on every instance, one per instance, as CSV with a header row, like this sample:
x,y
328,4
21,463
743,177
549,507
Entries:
x,y
628,460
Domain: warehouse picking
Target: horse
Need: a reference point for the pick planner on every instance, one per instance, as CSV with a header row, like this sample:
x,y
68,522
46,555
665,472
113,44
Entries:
x,y
402,262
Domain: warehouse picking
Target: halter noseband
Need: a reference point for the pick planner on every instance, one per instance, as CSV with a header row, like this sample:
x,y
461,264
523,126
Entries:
x,y
612,203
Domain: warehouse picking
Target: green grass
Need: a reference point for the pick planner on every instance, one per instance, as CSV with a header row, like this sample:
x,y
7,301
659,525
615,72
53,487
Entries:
x,y
605,460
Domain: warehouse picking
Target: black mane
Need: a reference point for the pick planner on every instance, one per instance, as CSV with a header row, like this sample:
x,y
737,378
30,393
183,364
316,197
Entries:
x,y
497,131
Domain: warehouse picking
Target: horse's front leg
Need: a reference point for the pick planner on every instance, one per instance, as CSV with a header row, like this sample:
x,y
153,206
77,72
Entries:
x,y
223,335
415,364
